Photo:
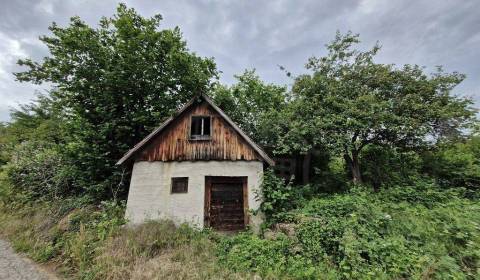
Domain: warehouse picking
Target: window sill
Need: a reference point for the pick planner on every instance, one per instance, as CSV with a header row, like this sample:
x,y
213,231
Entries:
x,y
200,138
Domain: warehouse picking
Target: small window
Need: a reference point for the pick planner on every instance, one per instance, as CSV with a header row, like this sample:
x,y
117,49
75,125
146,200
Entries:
x,y
179,184
200,128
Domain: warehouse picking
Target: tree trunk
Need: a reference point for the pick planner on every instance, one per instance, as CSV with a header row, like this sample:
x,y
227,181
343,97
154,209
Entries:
x,y
354,167
306,168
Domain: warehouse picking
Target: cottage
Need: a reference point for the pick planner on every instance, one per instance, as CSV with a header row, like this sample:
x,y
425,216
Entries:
x,y
197,167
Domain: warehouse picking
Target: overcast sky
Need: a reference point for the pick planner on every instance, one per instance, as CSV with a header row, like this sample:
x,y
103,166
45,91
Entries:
x,y
264,34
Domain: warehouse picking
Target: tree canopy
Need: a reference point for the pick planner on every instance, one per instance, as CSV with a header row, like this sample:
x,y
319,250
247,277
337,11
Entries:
x,y
116,83
349,101
250,102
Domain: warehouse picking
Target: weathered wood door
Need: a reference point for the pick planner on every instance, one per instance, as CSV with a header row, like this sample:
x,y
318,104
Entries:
x,y
226,203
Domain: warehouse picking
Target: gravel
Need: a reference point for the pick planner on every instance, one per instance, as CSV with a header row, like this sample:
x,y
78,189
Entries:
x,y
16,267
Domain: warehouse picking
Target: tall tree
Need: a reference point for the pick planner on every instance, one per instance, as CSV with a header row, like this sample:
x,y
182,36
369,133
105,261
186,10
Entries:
x,y
250,103
116,82
349,101
39,120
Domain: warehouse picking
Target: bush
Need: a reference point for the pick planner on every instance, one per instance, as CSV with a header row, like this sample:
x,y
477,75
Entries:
x,y
455,165
271,259
402,232
40,170
385,167
277,197
417,231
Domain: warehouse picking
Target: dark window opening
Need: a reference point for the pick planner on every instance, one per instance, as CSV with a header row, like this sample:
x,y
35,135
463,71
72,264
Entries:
x,y
200,128
179,184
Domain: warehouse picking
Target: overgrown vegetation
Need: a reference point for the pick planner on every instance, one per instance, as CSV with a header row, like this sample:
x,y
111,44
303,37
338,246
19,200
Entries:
x,y
86,241
409,232
394,194
417,232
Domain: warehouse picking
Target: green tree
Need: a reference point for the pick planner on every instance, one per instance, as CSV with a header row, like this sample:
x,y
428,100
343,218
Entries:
x,y
455,164
250,102
349,101
116,83
39,120
4,156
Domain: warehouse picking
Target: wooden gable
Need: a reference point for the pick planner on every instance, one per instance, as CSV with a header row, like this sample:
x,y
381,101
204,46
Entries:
x,y
174,143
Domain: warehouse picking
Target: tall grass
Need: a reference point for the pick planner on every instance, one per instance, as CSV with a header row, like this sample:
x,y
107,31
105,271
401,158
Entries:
x,y
92,242
416,232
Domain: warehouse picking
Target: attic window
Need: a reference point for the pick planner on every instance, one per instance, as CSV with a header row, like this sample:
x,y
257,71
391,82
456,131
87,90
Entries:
x,y
179,184
200,128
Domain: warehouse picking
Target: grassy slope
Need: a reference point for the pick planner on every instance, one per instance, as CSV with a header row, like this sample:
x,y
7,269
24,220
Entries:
x,y
419,233
101,250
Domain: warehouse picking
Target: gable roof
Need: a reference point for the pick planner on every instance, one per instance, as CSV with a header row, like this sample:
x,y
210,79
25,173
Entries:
x,y
162,127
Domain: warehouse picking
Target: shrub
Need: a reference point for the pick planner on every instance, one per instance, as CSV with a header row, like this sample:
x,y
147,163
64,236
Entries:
x,y
456,165
277,197
40,170
424,192
402,232
271,259
385,167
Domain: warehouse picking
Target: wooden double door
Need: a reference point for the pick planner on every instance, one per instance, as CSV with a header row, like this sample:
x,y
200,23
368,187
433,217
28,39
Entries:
x,y
226,203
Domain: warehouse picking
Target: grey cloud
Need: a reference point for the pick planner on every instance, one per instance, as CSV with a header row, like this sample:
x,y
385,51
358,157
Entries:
x,y
264,34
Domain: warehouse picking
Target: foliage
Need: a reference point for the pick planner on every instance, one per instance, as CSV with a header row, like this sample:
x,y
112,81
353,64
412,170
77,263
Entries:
x,y
412,232
4,155
455,165
349,101
271,259
116,83
90,242
277,197
384,166
38,121
250,103
330,175
39,170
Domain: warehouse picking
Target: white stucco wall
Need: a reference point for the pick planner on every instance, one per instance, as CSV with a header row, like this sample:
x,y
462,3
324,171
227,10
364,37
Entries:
x,y
149,195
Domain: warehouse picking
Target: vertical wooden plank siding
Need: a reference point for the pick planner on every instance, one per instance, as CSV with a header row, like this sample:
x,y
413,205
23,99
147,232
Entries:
x,y
173,144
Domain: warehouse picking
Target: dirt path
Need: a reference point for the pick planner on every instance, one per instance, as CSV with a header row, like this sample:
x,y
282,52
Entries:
x,y
16,267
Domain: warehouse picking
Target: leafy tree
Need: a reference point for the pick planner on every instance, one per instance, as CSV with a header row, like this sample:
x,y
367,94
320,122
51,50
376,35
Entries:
x,y
455,164
350,101
38,169
384,166
39,120
116,83
4,157
250,102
